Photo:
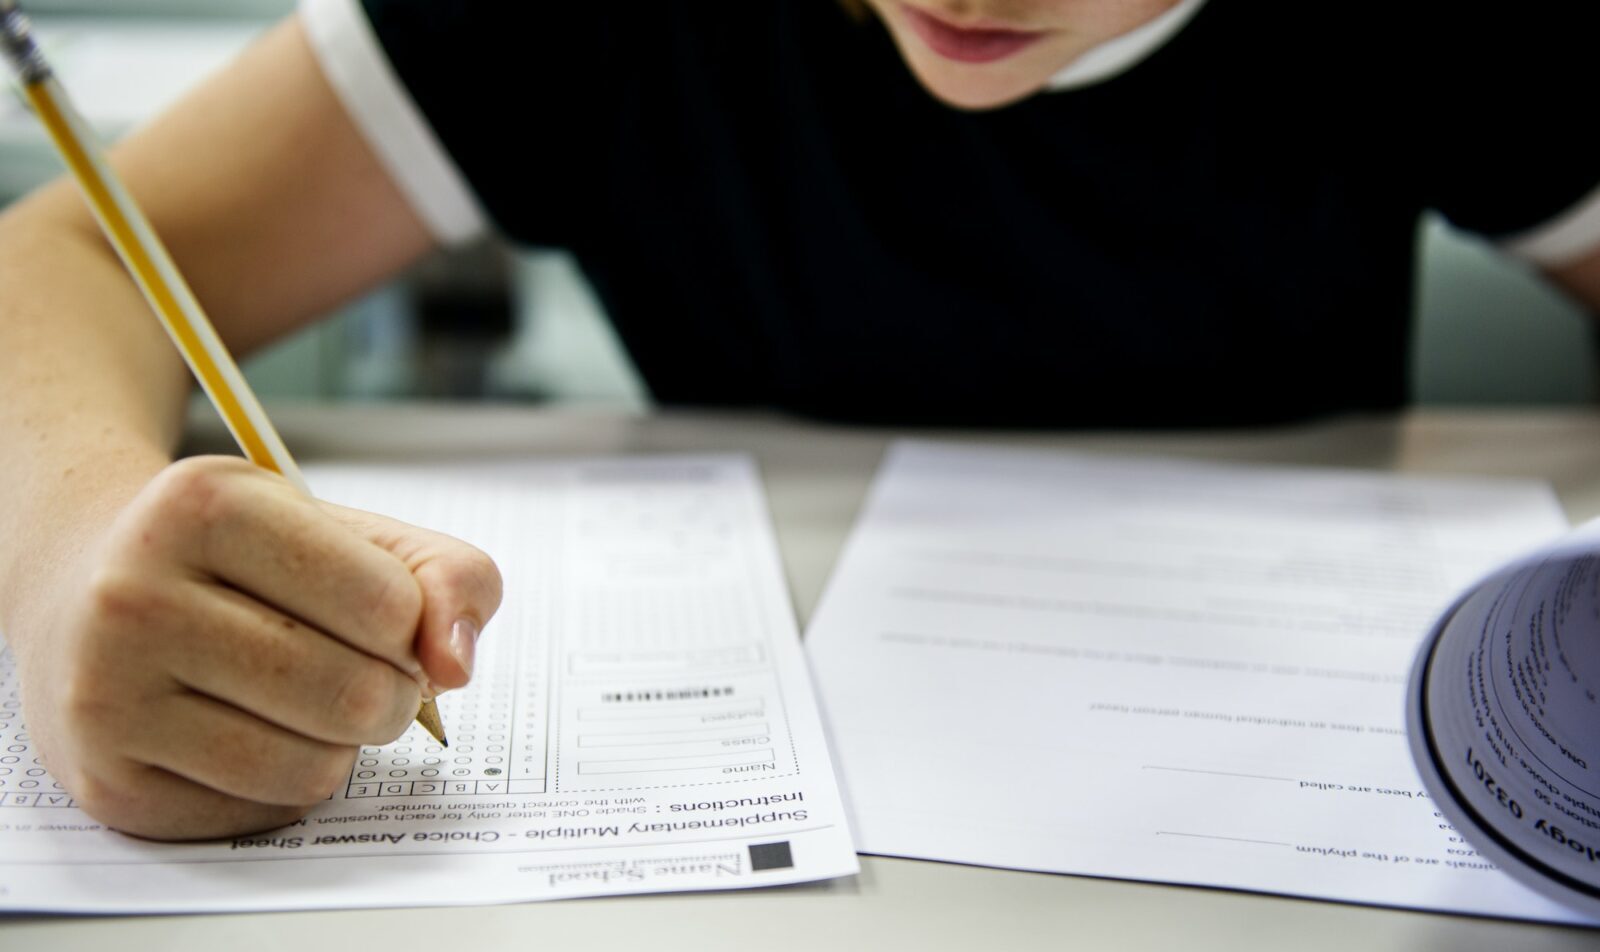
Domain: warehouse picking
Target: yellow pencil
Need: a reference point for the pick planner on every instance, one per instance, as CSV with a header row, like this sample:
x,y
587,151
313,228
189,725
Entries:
x,y
146,258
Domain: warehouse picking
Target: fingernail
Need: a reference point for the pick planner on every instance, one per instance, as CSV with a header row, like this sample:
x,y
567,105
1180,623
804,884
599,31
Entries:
x,y
463,644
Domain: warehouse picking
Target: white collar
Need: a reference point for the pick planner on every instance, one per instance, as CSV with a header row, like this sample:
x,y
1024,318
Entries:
x,y
1121,53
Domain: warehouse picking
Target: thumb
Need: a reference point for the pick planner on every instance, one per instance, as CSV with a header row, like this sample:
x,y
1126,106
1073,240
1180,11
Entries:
x,y
461,590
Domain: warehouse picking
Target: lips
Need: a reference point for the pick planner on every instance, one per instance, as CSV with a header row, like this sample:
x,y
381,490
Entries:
x,y
967,44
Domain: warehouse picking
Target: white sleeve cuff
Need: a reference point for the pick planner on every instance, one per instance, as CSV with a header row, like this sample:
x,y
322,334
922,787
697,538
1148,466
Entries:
x,y
360,73
1122,53
1563,239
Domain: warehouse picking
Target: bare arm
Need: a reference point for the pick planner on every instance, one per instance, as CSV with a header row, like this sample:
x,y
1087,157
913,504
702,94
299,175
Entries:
x,y
273,207
276,210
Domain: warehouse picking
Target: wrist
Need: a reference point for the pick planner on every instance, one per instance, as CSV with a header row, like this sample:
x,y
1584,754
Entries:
x,y
59,510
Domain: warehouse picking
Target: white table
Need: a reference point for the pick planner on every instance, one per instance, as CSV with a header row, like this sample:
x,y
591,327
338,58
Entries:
x,y
816,476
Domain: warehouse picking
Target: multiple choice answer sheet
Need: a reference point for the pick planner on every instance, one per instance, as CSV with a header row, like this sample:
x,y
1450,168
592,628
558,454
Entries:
x,y
1158,670
640,721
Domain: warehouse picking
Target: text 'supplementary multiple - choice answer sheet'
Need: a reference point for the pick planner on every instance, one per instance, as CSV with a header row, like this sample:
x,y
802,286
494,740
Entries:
x,y
1167,671
640,721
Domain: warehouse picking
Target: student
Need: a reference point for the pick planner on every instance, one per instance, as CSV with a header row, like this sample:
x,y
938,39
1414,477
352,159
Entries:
x,y
1070,212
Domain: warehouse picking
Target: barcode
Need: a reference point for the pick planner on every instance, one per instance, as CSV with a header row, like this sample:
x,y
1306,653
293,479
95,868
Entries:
x,y
681,694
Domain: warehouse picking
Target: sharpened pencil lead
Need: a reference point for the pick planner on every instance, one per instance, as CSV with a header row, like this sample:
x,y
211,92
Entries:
x,y
428,717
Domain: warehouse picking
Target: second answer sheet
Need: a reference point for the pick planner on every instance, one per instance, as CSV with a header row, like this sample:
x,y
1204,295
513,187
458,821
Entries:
x,y
1157,670
640,721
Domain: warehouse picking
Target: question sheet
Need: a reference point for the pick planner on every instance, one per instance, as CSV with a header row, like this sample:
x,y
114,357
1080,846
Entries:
x,y
640,721
1158,670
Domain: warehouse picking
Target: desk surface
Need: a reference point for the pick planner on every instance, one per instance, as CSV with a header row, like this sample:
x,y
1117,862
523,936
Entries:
x,y
816,477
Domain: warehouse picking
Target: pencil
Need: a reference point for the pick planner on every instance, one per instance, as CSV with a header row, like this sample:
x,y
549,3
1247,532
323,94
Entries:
x,y
153,270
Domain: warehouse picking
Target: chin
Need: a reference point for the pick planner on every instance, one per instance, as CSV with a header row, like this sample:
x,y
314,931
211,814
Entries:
x,y
971,90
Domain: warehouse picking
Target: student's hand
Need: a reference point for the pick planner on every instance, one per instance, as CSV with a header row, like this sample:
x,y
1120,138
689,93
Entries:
x,y
223,648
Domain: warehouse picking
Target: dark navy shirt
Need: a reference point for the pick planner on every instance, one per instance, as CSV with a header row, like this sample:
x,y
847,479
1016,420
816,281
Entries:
x,y
775,213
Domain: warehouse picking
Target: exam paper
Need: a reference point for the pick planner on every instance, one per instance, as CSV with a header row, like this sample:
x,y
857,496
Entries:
x,y
1158,670
640,721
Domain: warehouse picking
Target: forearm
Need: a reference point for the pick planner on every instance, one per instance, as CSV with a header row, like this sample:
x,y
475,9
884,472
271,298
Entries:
x,y
275,210
91,392
159,610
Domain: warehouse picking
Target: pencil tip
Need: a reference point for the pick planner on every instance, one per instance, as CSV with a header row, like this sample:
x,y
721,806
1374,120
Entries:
x,y
428,717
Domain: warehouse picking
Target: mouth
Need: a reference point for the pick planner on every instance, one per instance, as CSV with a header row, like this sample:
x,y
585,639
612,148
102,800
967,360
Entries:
x,y
967,44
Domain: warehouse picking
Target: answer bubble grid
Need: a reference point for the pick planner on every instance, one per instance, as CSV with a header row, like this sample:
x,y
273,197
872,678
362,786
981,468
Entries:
x,y
24,781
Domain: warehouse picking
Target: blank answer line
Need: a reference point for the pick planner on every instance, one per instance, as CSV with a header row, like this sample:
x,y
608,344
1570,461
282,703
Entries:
x,y
1219,773
1208,836
1271,616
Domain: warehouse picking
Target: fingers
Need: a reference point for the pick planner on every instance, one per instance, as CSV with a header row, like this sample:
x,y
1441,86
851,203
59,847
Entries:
x,y
283,672
235,523
187,767
414,598
461,590
231,643
460,593
150,802
234,753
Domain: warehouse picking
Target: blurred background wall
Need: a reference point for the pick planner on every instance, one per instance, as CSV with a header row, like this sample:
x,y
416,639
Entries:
x,y
494,323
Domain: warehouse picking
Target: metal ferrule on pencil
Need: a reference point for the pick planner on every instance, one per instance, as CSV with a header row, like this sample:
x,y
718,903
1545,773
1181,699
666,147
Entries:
x,y
16,43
